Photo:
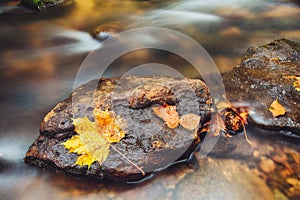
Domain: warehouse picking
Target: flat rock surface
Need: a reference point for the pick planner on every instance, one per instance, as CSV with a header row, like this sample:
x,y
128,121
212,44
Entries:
x,y
148,142
267,73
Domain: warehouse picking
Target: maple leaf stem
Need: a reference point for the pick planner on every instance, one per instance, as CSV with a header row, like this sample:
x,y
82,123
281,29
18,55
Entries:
x,y
140,169
244,128
245,133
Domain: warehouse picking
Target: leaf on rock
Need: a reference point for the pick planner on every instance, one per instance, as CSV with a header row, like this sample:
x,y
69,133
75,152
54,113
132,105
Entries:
x,y
168,114
276,109
297,84
93,140
296,80
215,126
190,121
110,126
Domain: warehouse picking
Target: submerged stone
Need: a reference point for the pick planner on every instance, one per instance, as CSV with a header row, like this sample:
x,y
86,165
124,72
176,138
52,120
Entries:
x,y
268,73
4,165
149,142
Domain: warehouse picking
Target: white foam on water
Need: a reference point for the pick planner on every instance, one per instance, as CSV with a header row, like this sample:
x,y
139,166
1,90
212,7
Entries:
x,y
79,42
164,17
12,148
84,42
212,4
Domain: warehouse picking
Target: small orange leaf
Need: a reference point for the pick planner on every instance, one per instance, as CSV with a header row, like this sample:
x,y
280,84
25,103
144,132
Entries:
x,y
190,121
276,109
168,114
109,125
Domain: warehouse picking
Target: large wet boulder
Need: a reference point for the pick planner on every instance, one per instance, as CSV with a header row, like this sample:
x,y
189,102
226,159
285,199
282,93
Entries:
x,y
161,118
149,109
268,73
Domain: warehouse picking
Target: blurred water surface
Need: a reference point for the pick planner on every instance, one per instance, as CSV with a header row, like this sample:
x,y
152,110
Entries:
x,y
40,53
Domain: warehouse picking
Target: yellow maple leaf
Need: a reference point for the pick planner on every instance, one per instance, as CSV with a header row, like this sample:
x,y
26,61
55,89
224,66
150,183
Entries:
x,y
93,140
276,108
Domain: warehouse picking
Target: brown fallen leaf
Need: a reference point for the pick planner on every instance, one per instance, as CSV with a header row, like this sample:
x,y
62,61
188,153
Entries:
x,y
168,114
190,121
277,109
215,126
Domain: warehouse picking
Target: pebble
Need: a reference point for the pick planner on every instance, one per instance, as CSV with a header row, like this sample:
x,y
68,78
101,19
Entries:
x,y
278,195
294,192
280,158
235,12
231,31
255,154
296,158
282,11
284,173
267,166
296,169
293,181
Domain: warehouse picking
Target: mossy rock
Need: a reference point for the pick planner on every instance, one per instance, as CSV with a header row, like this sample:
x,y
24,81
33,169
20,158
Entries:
x,y
44,4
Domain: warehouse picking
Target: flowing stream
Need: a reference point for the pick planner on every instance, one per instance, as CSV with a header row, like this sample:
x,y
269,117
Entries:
x,y
40,53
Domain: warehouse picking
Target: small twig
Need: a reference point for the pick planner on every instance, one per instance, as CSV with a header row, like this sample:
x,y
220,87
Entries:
x,y
140,169
245,133
244,128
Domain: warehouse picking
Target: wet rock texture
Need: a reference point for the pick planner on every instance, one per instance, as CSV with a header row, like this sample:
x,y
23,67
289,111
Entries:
x,y
149,142
260,79
44,4
267,73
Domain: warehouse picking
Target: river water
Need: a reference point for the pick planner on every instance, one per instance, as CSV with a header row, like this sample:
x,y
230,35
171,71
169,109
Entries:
x,y
41,52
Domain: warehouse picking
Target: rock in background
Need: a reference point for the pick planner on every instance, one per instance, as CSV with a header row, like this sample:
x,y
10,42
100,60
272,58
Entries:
x,y
268,73
44,4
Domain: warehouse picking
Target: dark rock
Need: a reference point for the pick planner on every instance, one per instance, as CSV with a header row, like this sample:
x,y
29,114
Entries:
x,y
44,4
263,76
4,165
103,32
132,99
